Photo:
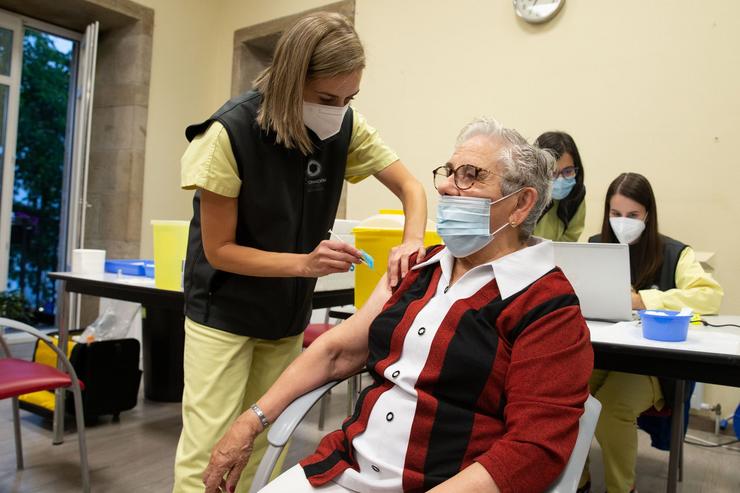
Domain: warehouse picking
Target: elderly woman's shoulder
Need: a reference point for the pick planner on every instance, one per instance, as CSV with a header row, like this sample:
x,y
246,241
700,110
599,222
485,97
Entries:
x,y
553,284
549,303
550,292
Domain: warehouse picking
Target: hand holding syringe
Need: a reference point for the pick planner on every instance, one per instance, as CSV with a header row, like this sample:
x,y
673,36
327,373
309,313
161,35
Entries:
x,y
366,257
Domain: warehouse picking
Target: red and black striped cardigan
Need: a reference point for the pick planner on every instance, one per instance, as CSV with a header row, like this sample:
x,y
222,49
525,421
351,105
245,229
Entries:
x,y
504,385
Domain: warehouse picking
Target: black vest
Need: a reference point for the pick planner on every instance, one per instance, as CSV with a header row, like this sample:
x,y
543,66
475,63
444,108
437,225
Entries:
x,y
671,253
666,277
287,203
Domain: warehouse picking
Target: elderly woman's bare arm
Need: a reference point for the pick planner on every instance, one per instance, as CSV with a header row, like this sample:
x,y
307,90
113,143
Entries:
x,y
335,355
473,478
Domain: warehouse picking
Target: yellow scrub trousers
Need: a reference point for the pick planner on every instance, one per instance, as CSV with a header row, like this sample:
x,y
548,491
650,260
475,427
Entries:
x,y
623,397
224,374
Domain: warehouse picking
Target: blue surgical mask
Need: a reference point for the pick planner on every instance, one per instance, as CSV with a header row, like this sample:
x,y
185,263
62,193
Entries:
x,y
464,223
561,187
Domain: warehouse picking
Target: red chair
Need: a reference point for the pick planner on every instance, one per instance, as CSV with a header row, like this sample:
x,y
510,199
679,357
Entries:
x,y
19,376
313,331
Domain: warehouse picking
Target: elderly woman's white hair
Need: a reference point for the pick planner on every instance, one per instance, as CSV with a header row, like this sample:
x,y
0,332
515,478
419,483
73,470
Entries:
x,y
522,165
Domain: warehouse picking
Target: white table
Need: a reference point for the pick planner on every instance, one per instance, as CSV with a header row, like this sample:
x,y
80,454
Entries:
x,y
162,328
709,354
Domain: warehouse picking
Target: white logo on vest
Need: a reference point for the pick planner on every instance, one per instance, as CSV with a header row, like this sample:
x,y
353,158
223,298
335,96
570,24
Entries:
x,y
314,181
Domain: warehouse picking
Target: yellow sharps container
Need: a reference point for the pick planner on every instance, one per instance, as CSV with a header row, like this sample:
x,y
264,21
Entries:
x,y
377,235
170,246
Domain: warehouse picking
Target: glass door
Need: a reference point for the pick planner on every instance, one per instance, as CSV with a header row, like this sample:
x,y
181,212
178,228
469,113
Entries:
x,y
11,52
46,89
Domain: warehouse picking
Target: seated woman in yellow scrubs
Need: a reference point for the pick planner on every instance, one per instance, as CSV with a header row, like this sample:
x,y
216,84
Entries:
x,y
665,275
565,217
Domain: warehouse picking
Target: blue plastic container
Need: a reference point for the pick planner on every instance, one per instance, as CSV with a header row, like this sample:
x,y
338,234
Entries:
x,y
672,327
131,267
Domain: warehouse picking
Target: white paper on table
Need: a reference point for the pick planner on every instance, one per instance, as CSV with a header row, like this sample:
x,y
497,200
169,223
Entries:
x,y
699,338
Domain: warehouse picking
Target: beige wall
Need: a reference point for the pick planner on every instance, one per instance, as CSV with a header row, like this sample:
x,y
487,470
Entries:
x,y
181,92
191,77
642,86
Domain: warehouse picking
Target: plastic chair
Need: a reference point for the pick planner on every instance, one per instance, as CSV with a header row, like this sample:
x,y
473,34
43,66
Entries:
x,y
291,417
19,376
568,480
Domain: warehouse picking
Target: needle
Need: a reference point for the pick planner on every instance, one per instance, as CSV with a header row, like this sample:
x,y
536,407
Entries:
x,y
365,256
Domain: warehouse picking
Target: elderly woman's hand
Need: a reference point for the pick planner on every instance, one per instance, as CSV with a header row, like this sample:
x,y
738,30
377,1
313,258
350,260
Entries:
x,y
230,455
398,260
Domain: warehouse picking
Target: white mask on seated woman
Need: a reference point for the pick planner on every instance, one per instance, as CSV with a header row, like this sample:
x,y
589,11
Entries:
x,y
627,229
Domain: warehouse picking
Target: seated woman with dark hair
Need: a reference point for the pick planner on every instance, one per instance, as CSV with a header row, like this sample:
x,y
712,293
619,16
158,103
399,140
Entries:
x,y
665,275
564,217
480,358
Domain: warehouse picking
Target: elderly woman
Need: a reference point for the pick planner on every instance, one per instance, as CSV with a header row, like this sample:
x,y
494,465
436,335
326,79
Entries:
x,y
480,358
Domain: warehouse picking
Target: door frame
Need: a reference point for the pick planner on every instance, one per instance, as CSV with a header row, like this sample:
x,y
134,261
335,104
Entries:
x,y
13,81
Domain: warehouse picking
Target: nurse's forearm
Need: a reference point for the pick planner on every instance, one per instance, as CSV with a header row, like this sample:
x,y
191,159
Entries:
x,y
249,261
415,210
411,194
218,222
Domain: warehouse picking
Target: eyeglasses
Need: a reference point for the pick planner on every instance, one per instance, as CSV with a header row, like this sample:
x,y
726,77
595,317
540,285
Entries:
x,y
465,175
569,172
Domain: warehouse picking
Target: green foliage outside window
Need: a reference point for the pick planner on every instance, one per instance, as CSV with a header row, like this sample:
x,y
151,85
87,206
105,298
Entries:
x,y
14,306
37,196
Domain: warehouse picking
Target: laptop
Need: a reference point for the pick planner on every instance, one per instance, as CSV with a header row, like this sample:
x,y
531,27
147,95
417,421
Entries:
x,y
600,275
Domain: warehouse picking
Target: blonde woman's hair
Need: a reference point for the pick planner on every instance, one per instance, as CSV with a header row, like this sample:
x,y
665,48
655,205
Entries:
x,y
317,46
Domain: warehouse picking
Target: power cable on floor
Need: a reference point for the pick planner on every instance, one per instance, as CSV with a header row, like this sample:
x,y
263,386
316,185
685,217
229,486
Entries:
x,y
705,443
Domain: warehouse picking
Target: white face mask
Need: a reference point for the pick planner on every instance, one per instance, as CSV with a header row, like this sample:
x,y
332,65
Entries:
x,y
324,120
626,229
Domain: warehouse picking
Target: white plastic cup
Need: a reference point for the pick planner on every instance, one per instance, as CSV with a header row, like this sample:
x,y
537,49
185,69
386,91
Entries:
x,y
88,261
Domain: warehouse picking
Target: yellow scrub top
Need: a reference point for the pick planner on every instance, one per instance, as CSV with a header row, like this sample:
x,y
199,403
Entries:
x,y
552,228
695,289
209,161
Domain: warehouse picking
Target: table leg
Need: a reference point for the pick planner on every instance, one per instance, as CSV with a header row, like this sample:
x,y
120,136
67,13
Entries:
x,y
163,345
676,436
67,311
680,463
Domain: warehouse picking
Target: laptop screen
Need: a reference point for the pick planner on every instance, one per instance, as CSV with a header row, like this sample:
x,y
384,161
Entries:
x,y
600,275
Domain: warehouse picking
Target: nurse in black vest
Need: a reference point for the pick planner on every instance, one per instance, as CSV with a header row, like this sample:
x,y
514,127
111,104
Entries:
x,y
665,275
267,169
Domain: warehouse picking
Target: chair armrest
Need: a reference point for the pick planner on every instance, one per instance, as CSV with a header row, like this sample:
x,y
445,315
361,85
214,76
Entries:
x,y
4,345
290,418
14,324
